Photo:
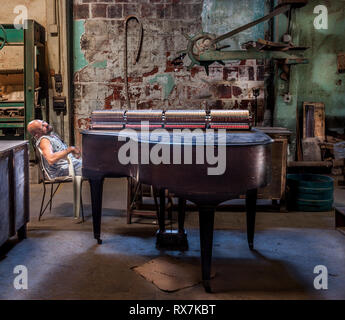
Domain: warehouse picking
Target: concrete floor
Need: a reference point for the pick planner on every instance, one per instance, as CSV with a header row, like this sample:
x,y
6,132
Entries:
x,y
64,261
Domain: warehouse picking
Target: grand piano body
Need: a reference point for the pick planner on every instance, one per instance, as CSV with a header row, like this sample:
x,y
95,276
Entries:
x,y
247,156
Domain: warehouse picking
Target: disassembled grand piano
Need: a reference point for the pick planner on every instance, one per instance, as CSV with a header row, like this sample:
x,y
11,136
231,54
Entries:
x,y
246,153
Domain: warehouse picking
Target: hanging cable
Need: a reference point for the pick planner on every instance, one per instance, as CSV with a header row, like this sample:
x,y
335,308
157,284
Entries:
x,y
136,59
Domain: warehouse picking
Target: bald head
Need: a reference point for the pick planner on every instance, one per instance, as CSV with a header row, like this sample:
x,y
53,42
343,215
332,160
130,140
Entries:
x,y
38,128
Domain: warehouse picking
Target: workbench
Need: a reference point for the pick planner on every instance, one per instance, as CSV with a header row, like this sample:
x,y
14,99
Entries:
x,y
14,189
276,189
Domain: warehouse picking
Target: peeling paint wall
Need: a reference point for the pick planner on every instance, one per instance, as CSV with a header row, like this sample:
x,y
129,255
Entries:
x,y
154,82
317,81
79,59
221,16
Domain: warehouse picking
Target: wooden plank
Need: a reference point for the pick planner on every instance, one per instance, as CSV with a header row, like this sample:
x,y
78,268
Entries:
x,y
341,62
298,137
314,120
12,58
144,213
16,79
311,149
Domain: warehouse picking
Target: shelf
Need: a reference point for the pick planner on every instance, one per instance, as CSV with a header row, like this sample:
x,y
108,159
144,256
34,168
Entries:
x,y
12,119
11,71
11,125
33,38
12,104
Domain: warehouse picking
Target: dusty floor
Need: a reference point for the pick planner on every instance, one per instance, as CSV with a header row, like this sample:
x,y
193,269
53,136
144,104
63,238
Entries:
x,y
64,261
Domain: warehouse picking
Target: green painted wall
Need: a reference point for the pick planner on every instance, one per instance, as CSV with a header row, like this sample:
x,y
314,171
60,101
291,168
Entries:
x,y
222,16
79,58
319,80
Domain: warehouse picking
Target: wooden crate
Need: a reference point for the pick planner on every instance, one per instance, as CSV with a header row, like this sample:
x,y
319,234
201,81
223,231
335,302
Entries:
x,y
276,189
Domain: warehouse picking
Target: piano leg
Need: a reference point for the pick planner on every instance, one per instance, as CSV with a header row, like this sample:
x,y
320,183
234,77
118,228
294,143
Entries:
x,y
206,222
22,231
160,243
181,214
251,197
96,186
182,234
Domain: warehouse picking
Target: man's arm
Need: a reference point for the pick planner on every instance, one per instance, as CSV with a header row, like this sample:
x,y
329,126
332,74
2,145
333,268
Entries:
x,y
53,157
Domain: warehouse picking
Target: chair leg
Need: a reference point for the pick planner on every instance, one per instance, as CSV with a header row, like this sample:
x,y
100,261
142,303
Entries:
x,y
51,198
49,202
43,197
81,200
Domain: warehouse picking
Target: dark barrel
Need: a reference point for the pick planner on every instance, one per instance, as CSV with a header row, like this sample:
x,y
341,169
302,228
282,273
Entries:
x,y
310,192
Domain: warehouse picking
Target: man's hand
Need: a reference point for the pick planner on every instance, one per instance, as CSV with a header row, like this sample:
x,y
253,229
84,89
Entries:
x,y
75,151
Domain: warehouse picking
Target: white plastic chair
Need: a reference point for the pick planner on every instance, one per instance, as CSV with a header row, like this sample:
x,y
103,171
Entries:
x,y
46,179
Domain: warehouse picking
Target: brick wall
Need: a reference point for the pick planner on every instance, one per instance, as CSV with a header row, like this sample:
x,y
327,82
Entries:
x,y
153,82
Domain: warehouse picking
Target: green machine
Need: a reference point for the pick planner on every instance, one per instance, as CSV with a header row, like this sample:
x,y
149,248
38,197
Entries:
x,y
30,80
203,48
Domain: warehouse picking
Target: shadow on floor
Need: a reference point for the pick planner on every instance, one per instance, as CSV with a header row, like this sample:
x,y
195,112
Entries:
x,y
94,278
7,246
261,274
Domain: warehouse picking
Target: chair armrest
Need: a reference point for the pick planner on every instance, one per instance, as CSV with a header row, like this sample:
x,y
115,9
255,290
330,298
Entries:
x,y
70,167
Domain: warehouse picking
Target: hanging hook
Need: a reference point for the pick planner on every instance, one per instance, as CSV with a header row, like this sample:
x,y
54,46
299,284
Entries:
x,y
136,59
